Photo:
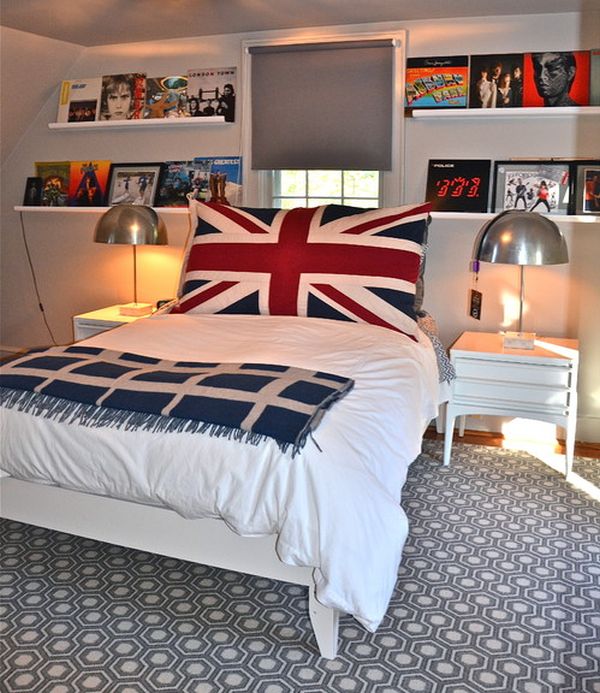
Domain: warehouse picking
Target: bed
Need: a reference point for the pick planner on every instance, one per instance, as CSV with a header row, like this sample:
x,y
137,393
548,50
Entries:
x,y
326,514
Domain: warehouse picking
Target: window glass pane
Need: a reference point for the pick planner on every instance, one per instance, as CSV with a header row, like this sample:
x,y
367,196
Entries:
x,y
290,183
360,202
327,183
288,202
361,184
316,201
311,188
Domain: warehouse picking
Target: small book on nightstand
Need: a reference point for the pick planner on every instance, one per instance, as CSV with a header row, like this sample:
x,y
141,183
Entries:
x,y
136,309
518,340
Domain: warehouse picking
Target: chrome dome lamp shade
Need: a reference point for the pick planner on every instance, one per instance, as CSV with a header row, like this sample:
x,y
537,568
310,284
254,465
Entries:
x,y
521,238
132,225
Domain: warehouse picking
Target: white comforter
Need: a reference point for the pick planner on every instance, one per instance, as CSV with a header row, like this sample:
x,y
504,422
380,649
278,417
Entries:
x,y
337,508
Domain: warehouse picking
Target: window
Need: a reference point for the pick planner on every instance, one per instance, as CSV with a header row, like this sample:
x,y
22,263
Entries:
x,y
298,188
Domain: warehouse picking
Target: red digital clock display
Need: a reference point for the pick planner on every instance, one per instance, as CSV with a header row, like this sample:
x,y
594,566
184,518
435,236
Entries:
x,y
459,185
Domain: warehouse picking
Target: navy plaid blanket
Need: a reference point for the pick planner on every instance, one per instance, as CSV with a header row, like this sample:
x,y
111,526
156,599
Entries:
x,y
99,387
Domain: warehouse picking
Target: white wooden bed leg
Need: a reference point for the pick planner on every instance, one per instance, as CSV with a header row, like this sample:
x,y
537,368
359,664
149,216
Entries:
x,y
325,622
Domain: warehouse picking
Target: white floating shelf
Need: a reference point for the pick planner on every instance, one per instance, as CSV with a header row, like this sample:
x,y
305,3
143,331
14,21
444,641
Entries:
x,y
524,112
141,123
482,216
93,210
478,216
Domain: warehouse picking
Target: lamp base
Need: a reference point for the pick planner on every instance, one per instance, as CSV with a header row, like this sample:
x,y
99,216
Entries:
x,y
135,309
519,340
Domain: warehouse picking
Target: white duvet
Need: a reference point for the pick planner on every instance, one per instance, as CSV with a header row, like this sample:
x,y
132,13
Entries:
x,y
336,508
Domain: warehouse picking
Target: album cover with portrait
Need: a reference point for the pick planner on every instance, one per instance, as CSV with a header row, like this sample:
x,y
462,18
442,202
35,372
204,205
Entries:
x,y
437,82
496,81
556,79
123,96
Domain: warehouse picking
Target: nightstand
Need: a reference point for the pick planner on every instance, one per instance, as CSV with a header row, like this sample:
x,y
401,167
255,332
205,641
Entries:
x,y
538,383
87,324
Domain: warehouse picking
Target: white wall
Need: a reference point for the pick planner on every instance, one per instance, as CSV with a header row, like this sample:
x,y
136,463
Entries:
x,y
27,79
75,274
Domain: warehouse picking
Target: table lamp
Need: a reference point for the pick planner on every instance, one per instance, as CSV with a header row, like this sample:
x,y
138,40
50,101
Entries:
x,y
132,225
520,238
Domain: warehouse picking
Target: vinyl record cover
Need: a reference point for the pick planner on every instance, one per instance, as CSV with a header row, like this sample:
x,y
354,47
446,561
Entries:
x,y
166,97
218,179
79,100
212,92
33,192
535,185
123,96
496,81
87,183
556,78
595,77
175,183
55,182
437,82
458,185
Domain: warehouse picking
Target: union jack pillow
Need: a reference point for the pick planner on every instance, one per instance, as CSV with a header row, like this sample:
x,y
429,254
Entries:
x,y
333,261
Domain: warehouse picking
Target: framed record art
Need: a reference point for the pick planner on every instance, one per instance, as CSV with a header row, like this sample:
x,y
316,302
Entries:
x,y
533,186
133,184
458,185
585,178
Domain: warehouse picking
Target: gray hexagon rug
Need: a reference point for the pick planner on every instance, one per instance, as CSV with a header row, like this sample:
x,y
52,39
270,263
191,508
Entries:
x,y
499,590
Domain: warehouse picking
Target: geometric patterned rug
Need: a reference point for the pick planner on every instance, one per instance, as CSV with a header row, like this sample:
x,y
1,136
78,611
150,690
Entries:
x,y
499,590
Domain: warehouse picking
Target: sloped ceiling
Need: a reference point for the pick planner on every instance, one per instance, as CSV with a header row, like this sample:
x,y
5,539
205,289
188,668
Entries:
x,y
99,22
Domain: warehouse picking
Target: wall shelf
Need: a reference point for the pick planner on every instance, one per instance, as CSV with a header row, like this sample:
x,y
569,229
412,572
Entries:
x,y
92,210
477,216
141,123
482,216
523,112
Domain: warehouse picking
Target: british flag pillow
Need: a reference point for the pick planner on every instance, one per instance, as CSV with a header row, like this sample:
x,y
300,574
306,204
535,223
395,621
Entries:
x,y
333,261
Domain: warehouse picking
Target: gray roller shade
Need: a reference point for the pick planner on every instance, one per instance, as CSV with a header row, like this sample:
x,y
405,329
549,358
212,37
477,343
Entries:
x,y
322,105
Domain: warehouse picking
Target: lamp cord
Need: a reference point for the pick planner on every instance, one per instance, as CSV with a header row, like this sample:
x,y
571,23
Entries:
x,y
35,284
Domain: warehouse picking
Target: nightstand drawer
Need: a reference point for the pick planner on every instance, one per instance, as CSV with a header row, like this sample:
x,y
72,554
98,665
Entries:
x,y
518,394
82,329
512,372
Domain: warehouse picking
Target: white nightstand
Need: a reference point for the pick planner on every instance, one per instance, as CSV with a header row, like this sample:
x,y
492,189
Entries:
x,y
539,383
87,324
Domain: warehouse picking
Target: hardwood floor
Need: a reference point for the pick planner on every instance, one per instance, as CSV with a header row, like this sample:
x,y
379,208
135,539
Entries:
x,y
496,439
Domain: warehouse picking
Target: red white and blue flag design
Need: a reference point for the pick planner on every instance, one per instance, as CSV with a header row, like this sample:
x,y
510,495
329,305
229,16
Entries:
x,y
332,261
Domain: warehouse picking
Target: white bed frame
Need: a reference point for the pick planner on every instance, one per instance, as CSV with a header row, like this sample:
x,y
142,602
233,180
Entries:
x,y
162,531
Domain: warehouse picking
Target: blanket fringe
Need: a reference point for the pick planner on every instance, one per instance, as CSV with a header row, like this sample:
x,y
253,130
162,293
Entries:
x,y
66,411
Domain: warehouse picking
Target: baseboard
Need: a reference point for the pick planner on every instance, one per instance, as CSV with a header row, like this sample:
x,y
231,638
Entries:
x,y
588,429
496,439
11,349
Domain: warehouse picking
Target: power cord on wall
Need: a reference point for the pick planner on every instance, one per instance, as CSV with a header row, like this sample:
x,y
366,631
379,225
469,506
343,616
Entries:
x,y
35,284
